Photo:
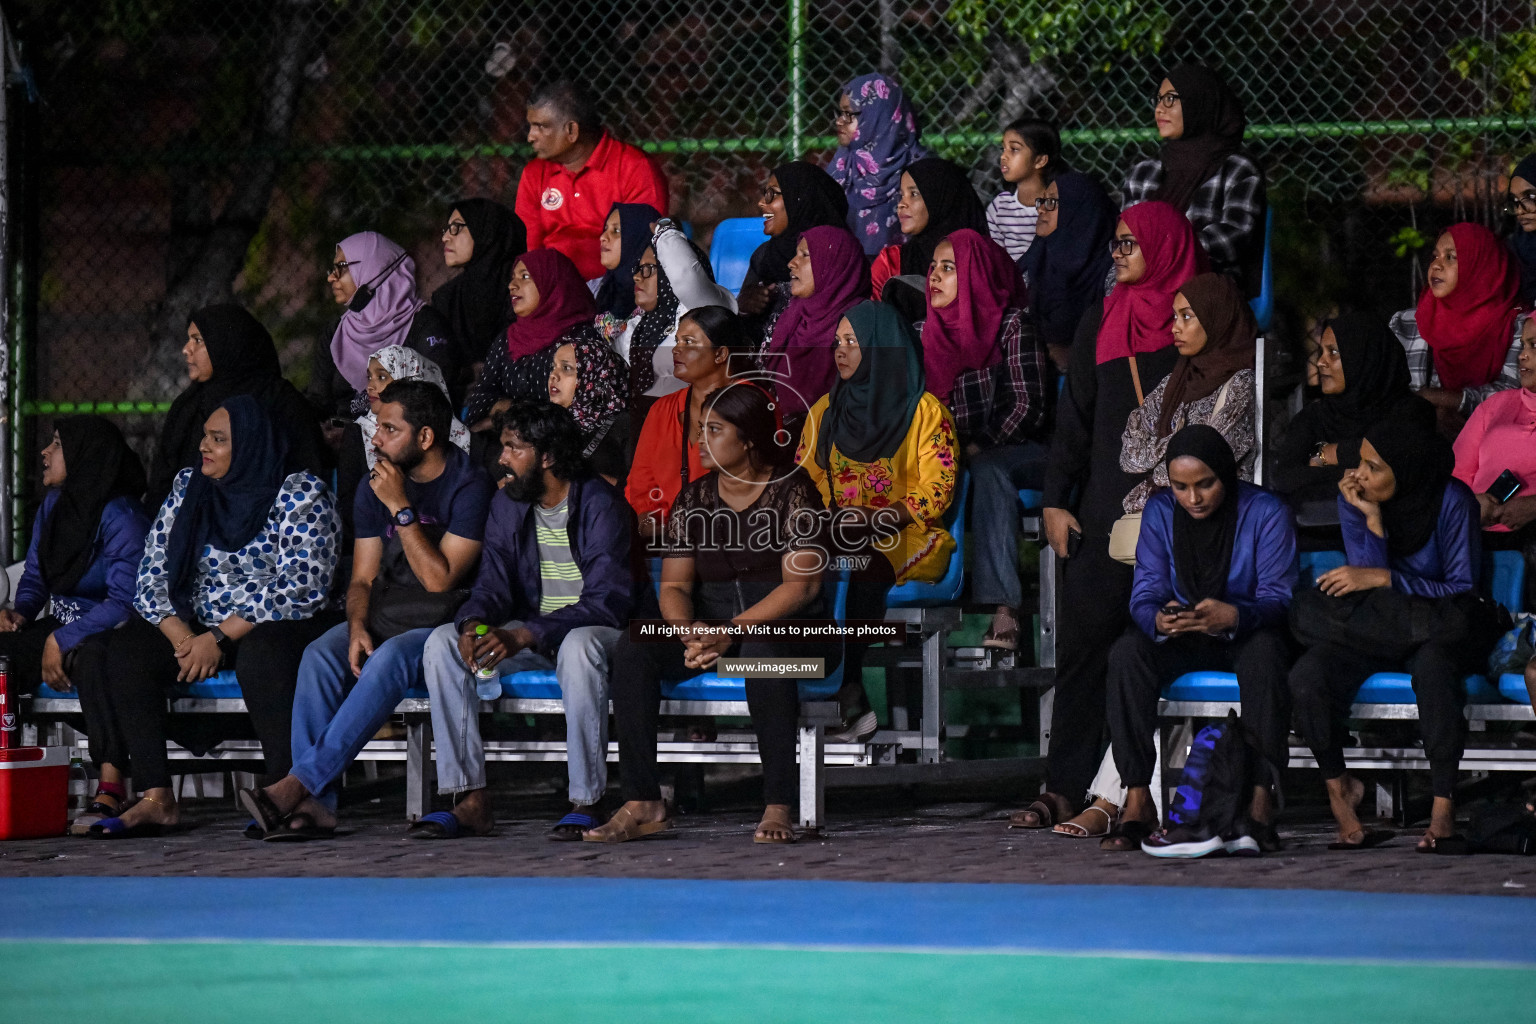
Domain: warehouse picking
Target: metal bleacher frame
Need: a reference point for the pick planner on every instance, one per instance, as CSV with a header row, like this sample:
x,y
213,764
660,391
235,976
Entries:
x,y
814,754
1490,702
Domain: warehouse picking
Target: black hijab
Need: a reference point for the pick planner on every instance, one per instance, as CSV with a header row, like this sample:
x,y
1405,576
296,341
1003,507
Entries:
x,y
229,512
952,204
1524,242
100,468
1422,462
1376,381
616,295
812,198
475,302
244,361
1213,130
1066,269
1202,548
869,414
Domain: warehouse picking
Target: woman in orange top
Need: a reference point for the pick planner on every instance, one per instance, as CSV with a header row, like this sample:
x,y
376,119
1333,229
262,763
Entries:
x,y
706,338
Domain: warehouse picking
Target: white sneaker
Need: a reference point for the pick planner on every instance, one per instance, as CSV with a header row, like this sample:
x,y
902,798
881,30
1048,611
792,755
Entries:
x,y
1180,843
855,731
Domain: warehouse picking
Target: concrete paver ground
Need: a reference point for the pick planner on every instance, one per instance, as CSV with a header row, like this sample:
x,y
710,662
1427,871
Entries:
x,y
877,835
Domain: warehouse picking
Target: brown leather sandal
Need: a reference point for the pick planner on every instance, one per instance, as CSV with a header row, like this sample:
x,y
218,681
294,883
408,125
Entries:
x,y
775,821
623,827
1043,813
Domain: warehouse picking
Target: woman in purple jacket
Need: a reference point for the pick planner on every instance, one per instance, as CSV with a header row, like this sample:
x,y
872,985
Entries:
x,y
1215,564
1408,525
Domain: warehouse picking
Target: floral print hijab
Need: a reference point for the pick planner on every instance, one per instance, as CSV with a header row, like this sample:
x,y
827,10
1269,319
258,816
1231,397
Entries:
x,y
402,363
885,141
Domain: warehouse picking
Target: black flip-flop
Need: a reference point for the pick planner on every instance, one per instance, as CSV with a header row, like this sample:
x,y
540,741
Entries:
x,y
260,807
1372,837
300,827
1454,845
113,828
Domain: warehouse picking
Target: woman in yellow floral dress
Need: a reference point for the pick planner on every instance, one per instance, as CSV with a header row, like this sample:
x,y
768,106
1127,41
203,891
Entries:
x,y
882,452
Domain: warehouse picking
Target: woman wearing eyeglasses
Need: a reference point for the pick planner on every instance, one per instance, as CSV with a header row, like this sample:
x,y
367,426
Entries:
x,y
877,136
1203,171
374,281
1117,359
796,196
670,278
481,241
1521,205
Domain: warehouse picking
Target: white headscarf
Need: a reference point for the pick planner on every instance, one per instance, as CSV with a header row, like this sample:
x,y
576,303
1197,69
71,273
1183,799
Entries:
x,y
402,363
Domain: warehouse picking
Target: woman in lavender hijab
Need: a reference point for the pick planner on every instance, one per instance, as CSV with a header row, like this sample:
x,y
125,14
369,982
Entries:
x,y
373,280
877,136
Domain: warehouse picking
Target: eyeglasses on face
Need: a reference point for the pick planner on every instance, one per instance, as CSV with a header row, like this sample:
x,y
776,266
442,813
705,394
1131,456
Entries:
x,y
845,116
1122,246
454,227
1045,204
770,194
339,267
644,271
1524,202
1166,99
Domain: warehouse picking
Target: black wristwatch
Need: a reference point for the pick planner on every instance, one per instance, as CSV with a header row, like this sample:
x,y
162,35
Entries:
x,y
405,517
219,638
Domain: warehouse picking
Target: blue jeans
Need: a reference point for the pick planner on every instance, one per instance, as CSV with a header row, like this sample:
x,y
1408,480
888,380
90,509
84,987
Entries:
x,y
335,714
997,476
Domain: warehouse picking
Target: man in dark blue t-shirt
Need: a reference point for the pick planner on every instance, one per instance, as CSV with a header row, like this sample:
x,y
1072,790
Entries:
x,y
420,523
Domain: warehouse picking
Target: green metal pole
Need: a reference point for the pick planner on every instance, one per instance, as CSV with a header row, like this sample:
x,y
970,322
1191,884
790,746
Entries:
x,y
796,79
18,370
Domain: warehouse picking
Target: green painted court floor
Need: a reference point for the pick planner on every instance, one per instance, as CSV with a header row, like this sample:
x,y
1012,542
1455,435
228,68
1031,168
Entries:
x,y
203,983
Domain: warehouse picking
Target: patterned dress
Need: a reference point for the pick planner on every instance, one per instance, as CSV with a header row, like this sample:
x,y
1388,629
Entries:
x,y
922,474
284,573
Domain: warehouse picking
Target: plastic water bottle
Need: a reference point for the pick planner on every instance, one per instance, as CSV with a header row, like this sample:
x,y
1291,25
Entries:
x,y
487,680
79,787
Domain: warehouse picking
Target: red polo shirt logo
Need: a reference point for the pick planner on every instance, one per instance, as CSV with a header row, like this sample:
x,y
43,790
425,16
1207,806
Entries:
x,y
552,199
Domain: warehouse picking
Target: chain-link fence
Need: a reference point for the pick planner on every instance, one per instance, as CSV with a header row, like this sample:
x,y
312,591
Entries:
x,y
184,148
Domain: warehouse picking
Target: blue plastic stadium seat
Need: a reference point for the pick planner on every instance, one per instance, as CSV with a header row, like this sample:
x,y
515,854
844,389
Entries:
x,y
1032,499
1396,688
1203,686
1264,305
946,589
731,249
542,685
1512,688
222,686
1315,563
1504,578
46,692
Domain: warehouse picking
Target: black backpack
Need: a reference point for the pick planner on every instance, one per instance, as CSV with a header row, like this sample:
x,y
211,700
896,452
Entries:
x,y
1216,787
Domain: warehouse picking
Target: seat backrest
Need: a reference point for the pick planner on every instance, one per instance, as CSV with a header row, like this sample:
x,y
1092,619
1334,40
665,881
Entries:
x,y
1315,563
731,249
1264,305
1504,578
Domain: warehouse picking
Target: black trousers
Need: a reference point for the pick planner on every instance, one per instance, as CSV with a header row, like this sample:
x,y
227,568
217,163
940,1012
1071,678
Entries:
x,y
1323,684
867,589
1093,612
1139,666
25,649
143,668
774,704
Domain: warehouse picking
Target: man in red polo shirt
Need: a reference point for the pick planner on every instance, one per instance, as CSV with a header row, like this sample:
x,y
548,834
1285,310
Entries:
x,y
578,172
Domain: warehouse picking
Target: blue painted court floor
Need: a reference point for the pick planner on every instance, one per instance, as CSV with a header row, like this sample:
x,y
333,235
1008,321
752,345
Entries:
x,y
377,949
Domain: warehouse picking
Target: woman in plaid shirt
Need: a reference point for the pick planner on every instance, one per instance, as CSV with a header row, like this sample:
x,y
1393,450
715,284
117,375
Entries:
x,y
1203,171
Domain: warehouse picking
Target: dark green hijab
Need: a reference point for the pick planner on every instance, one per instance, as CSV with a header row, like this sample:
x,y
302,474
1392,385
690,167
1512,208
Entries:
x,y
868,415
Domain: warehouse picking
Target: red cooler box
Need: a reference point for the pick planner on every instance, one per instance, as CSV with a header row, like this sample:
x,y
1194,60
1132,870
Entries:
x,y
34,792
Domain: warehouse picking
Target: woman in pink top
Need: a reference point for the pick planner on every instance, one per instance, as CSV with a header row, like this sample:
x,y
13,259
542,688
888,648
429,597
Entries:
x,y
1501,435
